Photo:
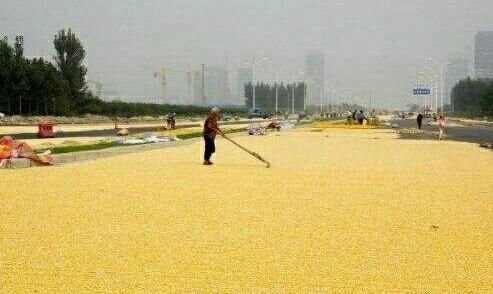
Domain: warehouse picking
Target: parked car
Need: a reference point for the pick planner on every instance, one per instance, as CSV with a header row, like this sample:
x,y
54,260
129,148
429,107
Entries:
x,y
258,113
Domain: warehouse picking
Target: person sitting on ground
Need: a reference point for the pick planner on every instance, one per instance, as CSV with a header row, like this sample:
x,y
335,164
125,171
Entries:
x,y
211,128
10,148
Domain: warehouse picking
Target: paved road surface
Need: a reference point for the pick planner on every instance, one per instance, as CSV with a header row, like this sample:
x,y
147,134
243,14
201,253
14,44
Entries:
x,y
456,132
112,132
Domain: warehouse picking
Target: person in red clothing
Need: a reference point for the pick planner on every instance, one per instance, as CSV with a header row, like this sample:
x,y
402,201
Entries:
x,y
10,148
210,130
441,127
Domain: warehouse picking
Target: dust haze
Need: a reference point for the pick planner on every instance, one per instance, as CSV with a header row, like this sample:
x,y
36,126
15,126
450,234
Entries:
x,y
369,45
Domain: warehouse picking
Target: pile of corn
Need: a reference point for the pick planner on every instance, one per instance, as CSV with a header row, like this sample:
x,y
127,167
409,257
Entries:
x,y
336,124
343,214
413,131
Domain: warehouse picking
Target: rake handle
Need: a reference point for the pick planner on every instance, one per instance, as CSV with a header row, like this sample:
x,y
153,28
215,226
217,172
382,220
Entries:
x,y
244,149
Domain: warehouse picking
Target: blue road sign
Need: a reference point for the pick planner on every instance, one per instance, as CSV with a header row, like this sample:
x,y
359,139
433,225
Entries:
x,y
421,91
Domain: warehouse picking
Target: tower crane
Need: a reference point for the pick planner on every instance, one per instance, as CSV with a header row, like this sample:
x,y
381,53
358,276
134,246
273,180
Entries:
x,y
190,74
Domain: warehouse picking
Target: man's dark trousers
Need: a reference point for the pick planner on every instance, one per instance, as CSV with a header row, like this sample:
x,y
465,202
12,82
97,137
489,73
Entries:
x,y
210,147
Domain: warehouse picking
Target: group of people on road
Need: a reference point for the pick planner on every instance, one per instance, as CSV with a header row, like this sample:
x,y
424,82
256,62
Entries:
x,y
356,116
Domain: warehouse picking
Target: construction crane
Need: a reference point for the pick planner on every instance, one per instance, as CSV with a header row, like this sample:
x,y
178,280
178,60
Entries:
x,y
163,75
190,74
99,88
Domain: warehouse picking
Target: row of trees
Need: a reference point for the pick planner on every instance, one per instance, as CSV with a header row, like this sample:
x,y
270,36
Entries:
x,y
265,96
37,87
473,97
124,109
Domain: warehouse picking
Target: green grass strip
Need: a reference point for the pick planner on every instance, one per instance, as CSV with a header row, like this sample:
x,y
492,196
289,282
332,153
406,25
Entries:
x,y
106,145
79,148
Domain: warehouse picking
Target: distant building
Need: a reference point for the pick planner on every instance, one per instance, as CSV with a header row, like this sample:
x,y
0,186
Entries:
x,y
456,71
244,76
315,76
216,86
483,55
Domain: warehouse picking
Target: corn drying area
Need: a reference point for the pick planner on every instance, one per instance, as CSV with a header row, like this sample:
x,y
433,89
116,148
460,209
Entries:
x,y
338,211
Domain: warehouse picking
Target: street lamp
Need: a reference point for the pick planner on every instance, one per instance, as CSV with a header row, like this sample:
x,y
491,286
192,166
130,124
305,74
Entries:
x,y
433,78
321,90
442,66
294,78
277,89
277,93
254,65
428,82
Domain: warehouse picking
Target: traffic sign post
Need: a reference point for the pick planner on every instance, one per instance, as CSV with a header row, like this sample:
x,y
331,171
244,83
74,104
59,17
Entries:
x,y
421,91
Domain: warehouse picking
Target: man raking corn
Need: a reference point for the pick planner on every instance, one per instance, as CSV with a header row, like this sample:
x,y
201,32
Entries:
x,y
211,128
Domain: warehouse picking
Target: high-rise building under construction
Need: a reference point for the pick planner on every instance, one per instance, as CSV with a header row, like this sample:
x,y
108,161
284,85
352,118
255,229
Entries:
x,y
244,76
315,76
483,55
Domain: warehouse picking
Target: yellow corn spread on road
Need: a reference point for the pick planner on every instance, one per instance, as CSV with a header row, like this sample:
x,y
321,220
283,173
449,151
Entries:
x,y
339,211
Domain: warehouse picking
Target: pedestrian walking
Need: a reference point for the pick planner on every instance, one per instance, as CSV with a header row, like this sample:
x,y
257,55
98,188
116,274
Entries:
x,y
210,131
361,117
419,120
441,127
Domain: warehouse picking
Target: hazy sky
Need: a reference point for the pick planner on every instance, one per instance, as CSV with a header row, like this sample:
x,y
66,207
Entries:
x,y
369,44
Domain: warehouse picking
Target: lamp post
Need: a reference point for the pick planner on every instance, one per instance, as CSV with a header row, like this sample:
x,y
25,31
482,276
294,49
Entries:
x,y
254,76
277,92
276,73
421,81
292,96
442,77
433,79
428,82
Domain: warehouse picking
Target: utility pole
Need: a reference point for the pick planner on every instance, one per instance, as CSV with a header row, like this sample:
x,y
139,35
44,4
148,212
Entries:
x,y
162,74
442,78
442,89
371,102
254,82
304,95
292,97
277,91
203,84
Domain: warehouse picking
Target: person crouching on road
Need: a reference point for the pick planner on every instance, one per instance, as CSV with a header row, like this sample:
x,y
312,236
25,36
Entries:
x,y
210,131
